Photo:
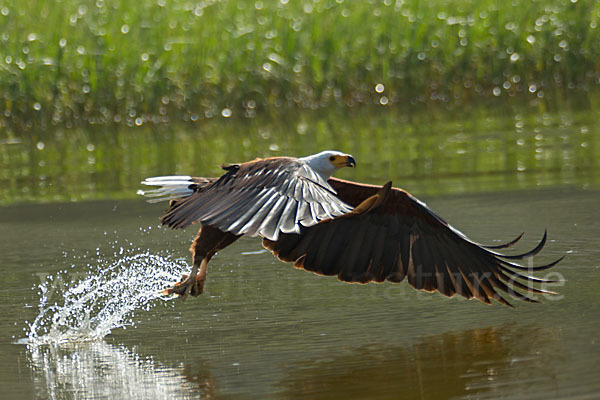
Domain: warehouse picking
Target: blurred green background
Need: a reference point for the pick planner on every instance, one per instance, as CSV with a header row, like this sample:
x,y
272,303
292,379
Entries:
x,y
441,95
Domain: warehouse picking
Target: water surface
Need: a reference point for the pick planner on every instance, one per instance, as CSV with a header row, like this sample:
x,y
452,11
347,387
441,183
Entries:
x,y
264,329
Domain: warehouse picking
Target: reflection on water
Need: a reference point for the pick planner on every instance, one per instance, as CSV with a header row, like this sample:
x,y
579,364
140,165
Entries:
x,y
479,362
98,370
427,153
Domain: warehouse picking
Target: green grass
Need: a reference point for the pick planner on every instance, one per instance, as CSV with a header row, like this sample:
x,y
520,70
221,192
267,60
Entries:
x,y
78,62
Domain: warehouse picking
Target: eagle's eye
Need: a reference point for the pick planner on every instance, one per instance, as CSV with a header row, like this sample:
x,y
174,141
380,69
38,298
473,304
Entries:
x,y
331,158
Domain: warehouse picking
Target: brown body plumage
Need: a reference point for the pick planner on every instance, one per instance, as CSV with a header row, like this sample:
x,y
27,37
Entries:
x,y
358,232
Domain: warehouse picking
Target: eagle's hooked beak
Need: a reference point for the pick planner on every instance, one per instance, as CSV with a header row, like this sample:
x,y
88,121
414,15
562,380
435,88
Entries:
x,y
350,161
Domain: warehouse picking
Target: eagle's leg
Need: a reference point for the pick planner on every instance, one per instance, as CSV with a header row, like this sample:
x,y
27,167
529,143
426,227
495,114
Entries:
x,y
186,284
208,241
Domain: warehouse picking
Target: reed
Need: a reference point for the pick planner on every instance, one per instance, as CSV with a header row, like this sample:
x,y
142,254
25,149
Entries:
x,y
72,62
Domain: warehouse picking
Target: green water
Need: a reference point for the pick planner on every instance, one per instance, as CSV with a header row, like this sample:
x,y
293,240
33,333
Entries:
x,y
435,152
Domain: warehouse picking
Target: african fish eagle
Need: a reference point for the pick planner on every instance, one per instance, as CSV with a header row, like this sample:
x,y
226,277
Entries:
x,y
329,226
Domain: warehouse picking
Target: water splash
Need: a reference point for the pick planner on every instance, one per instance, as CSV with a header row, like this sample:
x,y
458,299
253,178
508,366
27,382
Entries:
x,y
106,298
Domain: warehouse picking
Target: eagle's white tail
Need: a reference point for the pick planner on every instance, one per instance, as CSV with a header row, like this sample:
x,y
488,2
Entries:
x,y
171,187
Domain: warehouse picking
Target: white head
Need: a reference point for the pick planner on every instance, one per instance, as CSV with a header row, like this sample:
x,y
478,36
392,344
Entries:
x,y
327,162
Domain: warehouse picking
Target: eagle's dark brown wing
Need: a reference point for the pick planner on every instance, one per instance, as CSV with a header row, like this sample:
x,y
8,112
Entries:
x,y
261,197
391,235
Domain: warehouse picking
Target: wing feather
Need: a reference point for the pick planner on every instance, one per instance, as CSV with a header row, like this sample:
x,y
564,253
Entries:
x,y
390,235
261,197
242,219
288,222
270,224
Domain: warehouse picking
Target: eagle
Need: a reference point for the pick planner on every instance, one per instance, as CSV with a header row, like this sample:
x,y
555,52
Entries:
x,y
358,232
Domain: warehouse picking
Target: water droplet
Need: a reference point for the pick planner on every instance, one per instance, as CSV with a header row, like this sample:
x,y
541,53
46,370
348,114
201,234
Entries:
x,y
124,29
302,128
139,121
62,42
4,11
8,59
226,113
37,106
532,88
274,147
31,37
40,145
514,57
91,307
145,57
80,50
496,91
383,100
530,39
379,88
90,147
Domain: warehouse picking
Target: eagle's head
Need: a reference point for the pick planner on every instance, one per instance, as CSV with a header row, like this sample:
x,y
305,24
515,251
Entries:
x,y
327,162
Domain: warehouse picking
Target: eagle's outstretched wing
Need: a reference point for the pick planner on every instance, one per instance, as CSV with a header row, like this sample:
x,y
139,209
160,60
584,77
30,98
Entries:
x,y
261,197
390,235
